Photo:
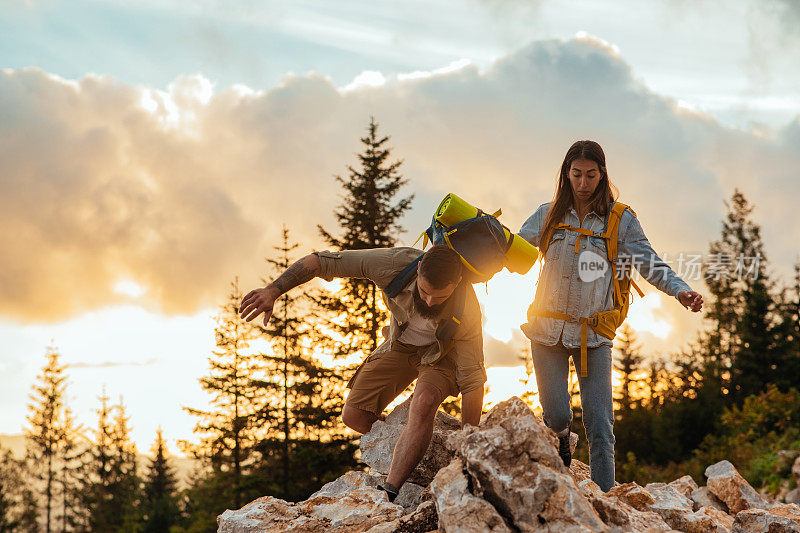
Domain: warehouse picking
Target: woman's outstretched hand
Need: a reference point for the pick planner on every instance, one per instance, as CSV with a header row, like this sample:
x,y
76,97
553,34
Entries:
x,y
691,300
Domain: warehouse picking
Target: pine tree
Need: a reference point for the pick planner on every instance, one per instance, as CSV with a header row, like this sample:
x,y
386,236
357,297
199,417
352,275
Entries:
x,y
18,510
301,420
230,430
111,484
46,433
788,334
628,364
743,310
126,489
73,449
160,487
97,471
369,218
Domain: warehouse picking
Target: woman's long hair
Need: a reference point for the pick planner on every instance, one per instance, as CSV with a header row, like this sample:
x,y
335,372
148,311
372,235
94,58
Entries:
x,y
603,196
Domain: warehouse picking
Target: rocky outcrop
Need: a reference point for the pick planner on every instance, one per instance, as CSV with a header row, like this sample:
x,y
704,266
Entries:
x,y
377,445
459,509
511,462
703,497
670,504
730,487
779,519
409,498
505,475
354,512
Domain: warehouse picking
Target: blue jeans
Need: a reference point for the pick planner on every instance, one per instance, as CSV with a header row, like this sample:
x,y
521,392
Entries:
x,y
551,364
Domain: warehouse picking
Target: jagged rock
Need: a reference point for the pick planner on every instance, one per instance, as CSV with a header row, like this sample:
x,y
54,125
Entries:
x,y
354,512
684,485
793,496
580,471
778,519
377,446
730,487
458,509
634,495
590,488
670,504
703,497
422,520
616,513
513,463
708,520
506,475
409,497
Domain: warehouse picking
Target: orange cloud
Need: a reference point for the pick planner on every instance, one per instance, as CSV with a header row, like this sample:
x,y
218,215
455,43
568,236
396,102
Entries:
x,y
178,191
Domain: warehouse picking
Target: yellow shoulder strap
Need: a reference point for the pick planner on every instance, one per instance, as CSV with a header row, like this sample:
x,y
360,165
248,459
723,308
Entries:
x,y
612,229
544,240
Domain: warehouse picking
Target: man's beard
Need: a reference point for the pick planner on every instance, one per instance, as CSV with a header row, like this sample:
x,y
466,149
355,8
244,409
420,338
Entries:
x,y
425,310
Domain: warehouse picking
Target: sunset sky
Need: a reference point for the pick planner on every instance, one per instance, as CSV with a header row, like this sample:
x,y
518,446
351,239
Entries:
x,y
151,151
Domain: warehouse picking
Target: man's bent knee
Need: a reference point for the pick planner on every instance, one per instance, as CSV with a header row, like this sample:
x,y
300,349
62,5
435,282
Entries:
x,y
425,403
358,419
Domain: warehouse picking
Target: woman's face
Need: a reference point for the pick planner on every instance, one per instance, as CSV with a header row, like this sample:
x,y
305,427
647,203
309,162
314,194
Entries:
x,y
584,175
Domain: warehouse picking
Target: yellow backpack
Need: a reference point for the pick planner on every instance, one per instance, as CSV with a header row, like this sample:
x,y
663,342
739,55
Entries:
x,y
604,323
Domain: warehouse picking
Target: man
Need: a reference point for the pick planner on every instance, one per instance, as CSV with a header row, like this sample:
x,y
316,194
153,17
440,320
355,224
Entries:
x,y
420,345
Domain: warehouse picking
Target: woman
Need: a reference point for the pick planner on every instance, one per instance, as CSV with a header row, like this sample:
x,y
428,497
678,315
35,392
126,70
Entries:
x,y
577,281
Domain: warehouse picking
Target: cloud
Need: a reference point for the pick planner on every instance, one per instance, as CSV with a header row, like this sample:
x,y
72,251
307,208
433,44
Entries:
x,y
180,190
113,364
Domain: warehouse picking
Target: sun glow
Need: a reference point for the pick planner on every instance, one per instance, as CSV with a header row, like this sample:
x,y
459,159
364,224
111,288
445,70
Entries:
x,y
505,300
128,287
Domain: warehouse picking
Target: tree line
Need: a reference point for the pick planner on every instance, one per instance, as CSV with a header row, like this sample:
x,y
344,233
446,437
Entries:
x,y
732,392
272,426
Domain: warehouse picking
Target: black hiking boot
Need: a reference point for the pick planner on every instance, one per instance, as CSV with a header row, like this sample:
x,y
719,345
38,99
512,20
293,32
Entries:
x,y
564,451
390,490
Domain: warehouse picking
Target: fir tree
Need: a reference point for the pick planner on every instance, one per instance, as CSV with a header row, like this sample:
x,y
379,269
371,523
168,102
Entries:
x,y
303,434
369,218
230,430
73,449
18,510
743,310
160,487
126,489
46,432
97,471
111,484
788,334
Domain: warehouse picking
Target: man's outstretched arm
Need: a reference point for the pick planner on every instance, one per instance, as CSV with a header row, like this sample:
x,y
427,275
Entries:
x,y
471,407
263,300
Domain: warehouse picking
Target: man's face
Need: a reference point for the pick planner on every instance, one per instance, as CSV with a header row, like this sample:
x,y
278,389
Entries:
x,y
428,300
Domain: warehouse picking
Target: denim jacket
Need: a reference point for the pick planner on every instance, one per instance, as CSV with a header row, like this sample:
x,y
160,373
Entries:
x,y
560,288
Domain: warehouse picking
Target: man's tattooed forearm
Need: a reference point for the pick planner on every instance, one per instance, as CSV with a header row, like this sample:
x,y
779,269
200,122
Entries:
x,y
297,274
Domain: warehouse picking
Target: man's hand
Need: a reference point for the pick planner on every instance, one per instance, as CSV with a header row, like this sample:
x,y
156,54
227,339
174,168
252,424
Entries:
x,y
259,301
691,300
263,300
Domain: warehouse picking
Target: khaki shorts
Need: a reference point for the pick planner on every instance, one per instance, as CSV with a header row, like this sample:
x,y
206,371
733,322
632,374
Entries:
x,y
383,376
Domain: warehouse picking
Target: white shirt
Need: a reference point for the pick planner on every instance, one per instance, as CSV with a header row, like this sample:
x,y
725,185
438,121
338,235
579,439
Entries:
x,y
420,331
